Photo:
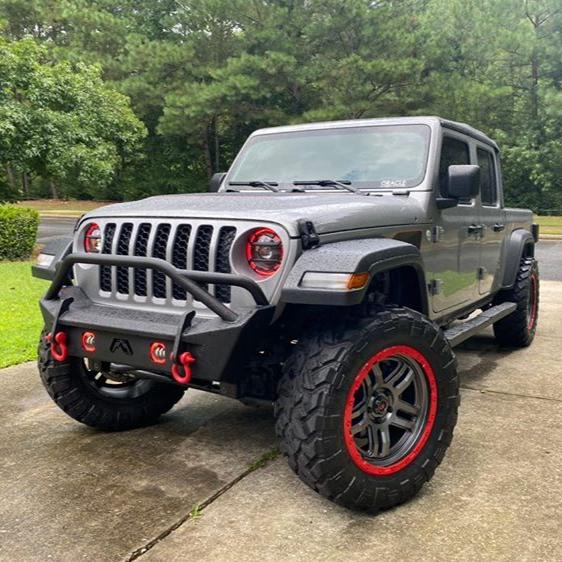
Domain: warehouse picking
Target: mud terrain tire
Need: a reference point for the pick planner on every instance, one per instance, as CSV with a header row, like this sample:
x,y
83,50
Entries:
x,y
321,390
519,328
76,392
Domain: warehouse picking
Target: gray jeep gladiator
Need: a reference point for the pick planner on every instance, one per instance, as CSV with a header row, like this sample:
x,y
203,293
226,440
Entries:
x,y
331,272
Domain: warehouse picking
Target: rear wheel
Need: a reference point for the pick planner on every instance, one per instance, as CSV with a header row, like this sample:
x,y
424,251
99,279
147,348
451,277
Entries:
x,y
366,409
519,328
100,400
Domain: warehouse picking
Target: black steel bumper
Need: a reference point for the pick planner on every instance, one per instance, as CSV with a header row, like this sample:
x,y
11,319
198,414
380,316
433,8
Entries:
x,y
124,336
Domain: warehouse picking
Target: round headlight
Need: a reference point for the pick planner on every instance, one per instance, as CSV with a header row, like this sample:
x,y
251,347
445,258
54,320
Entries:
x,y
264,251
92,238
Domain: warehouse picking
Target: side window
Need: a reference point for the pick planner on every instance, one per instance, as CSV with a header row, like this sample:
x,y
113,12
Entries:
x,y
453,151
488,187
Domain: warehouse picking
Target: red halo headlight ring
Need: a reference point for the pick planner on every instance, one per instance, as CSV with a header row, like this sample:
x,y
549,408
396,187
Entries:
x,y
264,251
92,238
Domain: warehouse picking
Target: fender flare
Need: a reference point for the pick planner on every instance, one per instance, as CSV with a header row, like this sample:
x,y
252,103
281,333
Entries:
x,y
520,242
374,255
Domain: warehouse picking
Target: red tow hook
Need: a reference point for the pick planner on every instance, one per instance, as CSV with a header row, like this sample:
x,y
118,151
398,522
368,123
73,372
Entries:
x,y
183,376
59,350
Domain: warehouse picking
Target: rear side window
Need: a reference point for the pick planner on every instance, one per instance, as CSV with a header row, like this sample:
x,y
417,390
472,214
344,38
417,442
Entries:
x,y
453,151
488,186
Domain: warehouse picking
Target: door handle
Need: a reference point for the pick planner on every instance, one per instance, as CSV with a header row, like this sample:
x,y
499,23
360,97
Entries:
x,y
475,228
499,227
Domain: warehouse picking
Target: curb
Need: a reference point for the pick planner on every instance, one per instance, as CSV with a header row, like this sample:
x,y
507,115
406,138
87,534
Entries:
x,y
69,215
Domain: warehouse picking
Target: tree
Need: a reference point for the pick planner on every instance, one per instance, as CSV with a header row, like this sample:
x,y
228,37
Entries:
x,y
202,74
61,123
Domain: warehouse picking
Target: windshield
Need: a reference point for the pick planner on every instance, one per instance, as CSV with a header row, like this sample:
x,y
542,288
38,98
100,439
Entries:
x,y
380,156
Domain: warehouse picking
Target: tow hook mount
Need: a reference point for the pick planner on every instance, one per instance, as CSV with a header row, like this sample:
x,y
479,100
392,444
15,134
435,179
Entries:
x,y
56,337
181,366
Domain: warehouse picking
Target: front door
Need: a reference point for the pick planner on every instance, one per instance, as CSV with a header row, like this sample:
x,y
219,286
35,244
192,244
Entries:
x,y
454,257
492,220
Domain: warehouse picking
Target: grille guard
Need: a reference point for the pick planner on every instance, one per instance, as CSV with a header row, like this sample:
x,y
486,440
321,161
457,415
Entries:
x,y
187,279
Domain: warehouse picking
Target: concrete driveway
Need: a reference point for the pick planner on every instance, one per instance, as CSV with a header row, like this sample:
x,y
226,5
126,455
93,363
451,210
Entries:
x,y
69,493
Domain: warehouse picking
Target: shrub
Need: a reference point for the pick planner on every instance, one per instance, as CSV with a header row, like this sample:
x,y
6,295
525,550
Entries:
x,y
18,231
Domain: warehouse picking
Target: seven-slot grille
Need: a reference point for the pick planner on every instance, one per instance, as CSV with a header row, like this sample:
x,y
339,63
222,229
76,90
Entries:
x,y
202,247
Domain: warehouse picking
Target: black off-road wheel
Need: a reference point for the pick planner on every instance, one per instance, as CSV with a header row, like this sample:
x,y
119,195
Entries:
x,y
96,400
519,328
367,407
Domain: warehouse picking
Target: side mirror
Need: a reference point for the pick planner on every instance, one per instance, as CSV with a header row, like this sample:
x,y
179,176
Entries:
x,y
463,181
216,181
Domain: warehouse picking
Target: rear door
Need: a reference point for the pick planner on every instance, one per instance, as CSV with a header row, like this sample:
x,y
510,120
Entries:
x,y
492,219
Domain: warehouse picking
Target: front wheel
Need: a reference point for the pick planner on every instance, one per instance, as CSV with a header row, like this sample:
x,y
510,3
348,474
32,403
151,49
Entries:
x,y
367,408
99,400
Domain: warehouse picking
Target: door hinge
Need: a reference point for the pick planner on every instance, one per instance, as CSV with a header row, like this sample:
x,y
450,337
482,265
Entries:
x,y
309,237
435,286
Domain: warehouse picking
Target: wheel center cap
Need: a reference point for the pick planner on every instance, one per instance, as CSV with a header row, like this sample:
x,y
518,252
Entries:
x,y
380,404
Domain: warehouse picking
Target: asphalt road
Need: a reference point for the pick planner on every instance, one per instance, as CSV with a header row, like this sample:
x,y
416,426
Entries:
x,y
53,227
549,252
69,493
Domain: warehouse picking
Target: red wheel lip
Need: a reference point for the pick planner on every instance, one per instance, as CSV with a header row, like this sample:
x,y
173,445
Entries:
x,y
534,304
352,449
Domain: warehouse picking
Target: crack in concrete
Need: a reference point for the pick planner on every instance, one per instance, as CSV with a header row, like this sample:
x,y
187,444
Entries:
x,y
514,394
195,512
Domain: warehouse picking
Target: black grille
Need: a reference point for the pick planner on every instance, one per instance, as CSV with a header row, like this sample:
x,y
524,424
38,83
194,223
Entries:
x,y
123,250
201,250
105,270
179,256
185,246
222,263
159,251
141,247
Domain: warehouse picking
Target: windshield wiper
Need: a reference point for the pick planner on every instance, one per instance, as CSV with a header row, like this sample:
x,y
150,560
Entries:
x,y
343,184
269,185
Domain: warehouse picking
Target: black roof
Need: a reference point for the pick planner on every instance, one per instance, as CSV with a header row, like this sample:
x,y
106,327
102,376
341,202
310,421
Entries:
x,y
468,130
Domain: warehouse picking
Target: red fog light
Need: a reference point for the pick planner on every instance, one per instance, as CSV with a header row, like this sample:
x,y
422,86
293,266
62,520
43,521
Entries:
x,y
158,352
89,342
92,239
264,251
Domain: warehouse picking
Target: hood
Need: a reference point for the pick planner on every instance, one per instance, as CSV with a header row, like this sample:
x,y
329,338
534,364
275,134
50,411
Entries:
x,y
330,212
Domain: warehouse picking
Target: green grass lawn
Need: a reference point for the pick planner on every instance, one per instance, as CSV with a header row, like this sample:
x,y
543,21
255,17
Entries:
x,y
20,319
550,225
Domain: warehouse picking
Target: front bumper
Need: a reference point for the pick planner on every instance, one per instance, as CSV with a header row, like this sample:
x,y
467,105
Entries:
x,y
124,336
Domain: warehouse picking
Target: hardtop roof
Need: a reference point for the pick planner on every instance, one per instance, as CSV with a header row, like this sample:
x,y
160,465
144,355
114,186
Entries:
x,y
415,120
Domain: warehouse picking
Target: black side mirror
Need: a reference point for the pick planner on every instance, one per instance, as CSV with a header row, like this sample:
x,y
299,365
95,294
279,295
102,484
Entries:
x,y
463,181
216,181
